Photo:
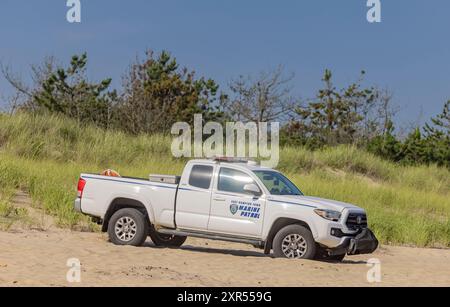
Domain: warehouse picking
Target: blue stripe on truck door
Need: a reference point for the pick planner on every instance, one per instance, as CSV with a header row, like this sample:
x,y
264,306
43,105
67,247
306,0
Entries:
x,y
130,182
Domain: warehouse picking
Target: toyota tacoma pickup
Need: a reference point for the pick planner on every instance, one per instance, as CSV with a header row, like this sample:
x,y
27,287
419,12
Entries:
x,y
225,199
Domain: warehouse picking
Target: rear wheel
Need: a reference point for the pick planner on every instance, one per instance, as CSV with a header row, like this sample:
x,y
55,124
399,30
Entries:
x,y
160,239
294,242
128,227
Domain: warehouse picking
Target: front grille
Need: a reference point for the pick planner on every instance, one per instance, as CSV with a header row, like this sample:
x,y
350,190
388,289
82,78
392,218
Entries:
x,y
356,221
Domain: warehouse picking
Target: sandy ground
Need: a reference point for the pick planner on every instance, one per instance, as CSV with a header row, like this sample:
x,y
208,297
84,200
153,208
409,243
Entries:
x,y
38,257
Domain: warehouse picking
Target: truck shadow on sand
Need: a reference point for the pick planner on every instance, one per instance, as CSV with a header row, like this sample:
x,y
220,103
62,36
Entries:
x,y
211,250
244,253
225,251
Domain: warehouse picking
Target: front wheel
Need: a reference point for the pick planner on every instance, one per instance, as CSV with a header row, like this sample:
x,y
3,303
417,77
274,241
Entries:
x,y
160,239
294,242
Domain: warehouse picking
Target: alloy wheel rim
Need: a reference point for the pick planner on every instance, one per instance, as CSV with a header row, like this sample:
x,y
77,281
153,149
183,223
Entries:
x,y
294,246
125,228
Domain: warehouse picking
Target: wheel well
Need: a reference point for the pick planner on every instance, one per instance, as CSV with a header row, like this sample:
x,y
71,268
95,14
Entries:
x,y
276,226
121,203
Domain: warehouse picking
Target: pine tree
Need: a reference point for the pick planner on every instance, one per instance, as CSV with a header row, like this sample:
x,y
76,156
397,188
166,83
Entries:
x,y
438,137
158,94
440,125
414,149
67,91
386,145
334,116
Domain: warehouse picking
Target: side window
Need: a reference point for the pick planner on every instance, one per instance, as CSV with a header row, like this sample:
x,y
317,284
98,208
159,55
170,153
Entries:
x,y
274,185
201,176
233,181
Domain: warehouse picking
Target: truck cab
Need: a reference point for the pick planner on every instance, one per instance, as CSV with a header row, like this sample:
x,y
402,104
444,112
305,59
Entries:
x,y
221,198
226,199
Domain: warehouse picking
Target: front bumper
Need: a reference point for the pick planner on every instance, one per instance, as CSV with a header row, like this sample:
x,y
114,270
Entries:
x,y
363,243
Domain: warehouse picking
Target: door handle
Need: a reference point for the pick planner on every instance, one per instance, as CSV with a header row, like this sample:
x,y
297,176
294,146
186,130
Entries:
x,y
219,199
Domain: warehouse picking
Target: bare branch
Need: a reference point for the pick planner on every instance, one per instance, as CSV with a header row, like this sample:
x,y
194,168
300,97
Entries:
x,y
266,98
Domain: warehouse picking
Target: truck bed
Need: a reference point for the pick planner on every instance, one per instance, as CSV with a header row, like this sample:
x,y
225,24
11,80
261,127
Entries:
x,y
101,191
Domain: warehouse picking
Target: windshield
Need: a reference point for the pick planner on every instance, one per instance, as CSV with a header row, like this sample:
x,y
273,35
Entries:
x,y
277,183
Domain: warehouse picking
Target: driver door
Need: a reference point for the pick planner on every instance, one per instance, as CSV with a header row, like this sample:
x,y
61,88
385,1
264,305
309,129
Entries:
x,y
233,210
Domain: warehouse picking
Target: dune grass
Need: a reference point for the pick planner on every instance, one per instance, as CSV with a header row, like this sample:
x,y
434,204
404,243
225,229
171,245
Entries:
x,y
45,155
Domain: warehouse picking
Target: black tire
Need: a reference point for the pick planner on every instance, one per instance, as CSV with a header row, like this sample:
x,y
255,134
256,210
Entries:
x,y
160,239
308,252
137,236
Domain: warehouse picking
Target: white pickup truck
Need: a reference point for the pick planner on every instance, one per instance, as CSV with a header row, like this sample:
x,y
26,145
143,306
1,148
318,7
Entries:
x,y
225,199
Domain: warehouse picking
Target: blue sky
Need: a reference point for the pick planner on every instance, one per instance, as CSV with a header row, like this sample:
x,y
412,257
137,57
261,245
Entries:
x,y
408,52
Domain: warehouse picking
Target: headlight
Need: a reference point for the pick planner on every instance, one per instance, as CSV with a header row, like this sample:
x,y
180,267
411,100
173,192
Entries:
x,y
328,214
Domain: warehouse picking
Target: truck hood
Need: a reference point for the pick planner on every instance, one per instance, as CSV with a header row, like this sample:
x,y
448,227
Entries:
x,y
320,203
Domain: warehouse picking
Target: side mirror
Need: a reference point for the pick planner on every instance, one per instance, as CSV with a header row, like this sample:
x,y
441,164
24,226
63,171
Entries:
x,y
252,189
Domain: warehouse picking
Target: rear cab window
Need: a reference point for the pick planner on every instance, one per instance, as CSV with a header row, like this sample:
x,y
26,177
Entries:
x,y
201,176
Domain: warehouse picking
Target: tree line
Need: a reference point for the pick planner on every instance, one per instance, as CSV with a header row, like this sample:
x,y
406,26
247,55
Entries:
x,y
157,92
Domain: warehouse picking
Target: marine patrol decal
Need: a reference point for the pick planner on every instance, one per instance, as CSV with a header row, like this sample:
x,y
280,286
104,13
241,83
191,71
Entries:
x,y
245,209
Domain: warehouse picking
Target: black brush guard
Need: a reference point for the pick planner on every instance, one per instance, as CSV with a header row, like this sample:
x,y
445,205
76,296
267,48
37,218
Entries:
x,y
364,242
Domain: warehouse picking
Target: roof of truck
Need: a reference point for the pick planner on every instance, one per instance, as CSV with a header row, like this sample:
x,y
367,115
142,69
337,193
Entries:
x,y
250,165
